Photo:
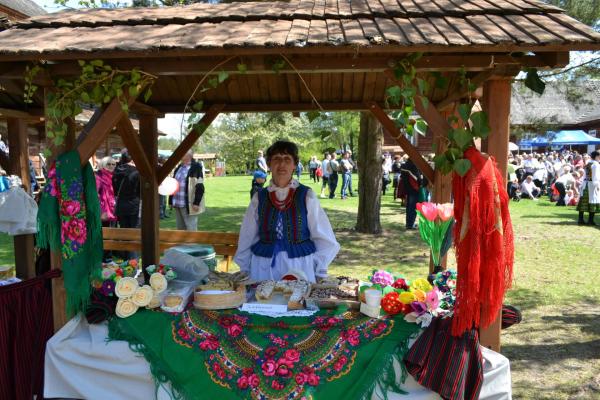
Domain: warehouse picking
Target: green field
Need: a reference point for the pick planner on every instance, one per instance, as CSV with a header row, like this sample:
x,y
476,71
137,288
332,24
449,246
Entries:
x,y
554,353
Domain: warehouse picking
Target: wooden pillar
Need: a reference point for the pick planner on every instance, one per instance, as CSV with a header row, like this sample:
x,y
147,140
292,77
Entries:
x,y
149,191
496,103
19,165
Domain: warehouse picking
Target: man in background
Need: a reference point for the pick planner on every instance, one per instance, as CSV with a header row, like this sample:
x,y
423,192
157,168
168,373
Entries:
x,y
188,201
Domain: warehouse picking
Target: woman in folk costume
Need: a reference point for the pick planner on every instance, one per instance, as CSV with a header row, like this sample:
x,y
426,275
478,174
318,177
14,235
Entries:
x,y
285,227
590,198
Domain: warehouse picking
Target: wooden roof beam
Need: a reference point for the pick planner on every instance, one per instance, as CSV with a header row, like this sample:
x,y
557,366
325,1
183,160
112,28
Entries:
x,y
261,64
189,141
99,127
133,143
270,107
139,108
20,114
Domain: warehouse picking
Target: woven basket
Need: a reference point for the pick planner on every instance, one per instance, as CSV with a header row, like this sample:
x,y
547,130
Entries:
x,y
220,301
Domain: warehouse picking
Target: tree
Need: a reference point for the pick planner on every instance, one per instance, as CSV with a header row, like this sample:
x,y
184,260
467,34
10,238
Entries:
x,y
370,143
586,11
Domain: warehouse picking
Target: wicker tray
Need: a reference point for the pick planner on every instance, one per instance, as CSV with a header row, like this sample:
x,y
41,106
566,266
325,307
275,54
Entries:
x,y
220,301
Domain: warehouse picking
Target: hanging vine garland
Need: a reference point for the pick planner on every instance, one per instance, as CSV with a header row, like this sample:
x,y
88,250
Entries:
x,y
96,86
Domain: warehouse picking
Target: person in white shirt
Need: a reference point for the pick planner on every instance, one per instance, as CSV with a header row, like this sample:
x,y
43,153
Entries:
x,y
325,169
285,227
529,190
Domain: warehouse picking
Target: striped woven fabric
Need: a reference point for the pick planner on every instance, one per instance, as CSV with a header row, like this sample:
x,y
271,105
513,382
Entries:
x,y
451,366
25,326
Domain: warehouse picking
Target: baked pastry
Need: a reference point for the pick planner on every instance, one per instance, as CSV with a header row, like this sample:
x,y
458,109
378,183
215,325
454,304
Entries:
x,y
296,290
172,300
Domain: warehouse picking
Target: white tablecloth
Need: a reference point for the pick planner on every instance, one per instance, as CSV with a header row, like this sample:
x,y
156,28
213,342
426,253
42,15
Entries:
x,y
81,364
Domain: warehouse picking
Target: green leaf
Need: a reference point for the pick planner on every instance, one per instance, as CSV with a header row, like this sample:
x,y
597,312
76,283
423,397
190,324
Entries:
x,y
462,137
147,95
393,93
85,97
242,68
534,82
410,130
462,166
106,99
422,85
125,107
134,91
97,63
421,127
409,92
81,63
50,134
312,115
47,153
213,82
198,105
223,76
441,82
59,140
480,125
452,154
424,102
464,110
135,76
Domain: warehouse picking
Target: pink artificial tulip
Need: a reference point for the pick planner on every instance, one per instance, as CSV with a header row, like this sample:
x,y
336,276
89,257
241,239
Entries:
x,y
445,211
429,210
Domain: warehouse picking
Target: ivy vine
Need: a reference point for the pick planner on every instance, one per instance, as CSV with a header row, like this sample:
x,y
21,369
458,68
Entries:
x,y
402,95
96,86
465,128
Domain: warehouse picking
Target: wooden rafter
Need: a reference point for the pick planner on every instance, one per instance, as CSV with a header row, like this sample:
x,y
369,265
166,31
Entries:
x,y
302,63
24,115
464,91
393,130
189,141
100,128
134,146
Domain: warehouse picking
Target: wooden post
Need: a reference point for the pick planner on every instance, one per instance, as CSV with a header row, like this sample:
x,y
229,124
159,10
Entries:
x,y
149,191
496,103
19,165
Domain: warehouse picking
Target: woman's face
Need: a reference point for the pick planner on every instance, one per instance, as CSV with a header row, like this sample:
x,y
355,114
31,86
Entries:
x,y
282,167
110,166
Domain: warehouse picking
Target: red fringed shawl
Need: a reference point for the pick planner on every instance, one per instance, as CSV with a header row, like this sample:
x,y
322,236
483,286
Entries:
x,y
484,243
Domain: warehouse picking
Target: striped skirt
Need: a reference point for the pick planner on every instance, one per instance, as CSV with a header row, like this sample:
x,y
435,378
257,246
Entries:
x,y
585,205
450,366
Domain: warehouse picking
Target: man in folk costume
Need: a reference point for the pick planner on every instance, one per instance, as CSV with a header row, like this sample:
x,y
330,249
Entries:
x,y
590,198
285,227
484,243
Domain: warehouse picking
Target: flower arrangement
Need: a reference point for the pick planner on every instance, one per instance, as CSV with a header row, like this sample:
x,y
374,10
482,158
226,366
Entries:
x,y
435,221
120,280
418,300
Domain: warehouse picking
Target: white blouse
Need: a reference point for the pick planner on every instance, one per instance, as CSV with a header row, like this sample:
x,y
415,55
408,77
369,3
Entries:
x,y
313,265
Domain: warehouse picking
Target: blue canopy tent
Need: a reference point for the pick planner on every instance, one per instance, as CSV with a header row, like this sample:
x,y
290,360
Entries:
x,y
560,138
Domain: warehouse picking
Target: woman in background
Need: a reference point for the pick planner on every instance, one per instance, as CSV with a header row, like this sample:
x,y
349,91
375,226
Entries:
x,y
106,195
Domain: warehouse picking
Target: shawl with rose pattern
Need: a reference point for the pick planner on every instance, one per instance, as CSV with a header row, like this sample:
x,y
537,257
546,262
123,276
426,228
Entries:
x,y
69,223
235,355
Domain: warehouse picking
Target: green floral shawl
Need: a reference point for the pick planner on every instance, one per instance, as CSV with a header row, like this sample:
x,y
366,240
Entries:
x,y
69,222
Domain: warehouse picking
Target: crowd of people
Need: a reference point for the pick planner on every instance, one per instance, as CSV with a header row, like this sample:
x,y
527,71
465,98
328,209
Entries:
x,y
118,185
567,178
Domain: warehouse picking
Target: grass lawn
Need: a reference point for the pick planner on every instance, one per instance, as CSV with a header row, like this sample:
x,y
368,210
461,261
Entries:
x,y
554,352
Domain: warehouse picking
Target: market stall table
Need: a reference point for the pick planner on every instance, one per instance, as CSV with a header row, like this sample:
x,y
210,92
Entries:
x,y
81,363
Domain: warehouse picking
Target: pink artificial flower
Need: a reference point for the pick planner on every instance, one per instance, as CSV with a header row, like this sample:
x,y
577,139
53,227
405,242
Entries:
x,y
234,330
429,210
445,211
292,355
432,299
269,367
70,207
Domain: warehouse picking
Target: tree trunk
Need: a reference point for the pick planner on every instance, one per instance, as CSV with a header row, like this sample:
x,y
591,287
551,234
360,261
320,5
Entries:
x,y
370,142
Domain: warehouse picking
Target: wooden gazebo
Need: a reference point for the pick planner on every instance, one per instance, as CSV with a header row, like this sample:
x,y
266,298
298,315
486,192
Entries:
x,y
299,55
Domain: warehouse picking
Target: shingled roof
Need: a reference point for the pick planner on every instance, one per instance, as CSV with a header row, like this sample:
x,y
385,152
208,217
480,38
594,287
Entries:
x,y
565,104
444,25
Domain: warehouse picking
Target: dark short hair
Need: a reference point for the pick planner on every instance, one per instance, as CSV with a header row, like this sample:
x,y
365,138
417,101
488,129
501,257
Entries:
x,y
283,147
595,154
125,157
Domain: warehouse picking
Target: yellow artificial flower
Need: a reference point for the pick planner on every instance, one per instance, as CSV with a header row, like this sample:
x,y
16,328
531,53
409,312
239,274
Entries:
x,y
407,297
421,284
